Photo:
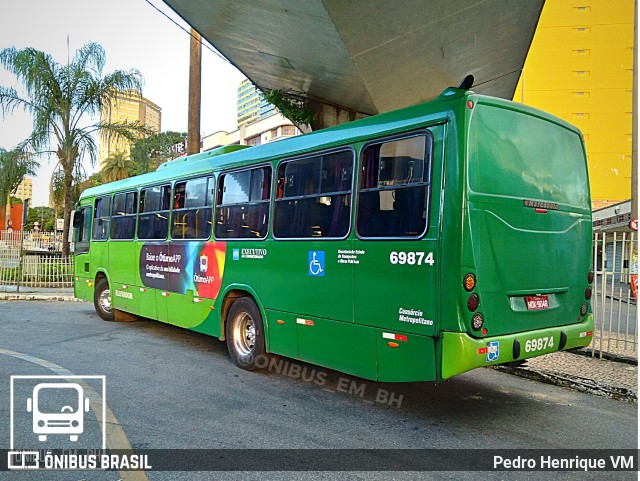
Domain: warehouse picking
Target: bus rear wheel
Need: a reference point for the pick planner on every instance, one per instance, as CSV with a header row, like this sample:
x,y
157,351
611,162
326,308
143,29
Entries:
x,y
102,300
244,332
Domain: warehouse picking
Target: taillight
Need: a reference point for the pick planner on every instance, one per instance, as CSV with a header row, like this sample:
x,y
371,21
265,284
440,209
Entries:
x,y
584,308
587,293
590,277
473,302
477,321
469,282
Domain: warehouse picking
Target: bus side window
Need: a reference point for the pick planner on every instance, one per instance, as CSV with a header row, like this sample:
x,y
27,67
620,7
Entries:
x,y
242,207
101,219
316,196
153,217
123,219
394,187
191,217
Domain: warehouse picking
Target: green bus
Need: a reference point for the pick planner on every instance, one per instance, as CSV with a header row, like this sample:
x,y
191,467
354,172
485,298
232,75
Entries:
x,y
412,245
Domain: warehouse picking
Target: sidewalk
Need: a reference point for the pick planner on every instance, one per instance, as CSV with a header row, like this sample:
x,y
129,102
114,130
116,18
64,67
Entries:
x,y
10,293
616,379
578,370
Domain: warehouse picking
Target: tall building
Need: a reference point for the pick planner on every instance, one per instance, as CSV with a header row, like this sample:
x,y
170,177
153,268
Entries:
x,y
270,129
580,68
131,107
259,122
25,189
252,105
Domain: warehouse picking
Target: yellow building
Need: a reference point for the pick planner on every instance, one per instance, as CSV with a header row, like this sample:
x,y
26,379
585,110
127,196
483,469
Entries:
x,y
580,68
25,189
131,107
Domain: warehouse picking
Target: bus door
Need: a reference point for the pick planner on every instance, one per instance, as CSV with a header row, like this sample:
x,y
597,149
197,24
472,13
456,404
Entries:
x,y
153,232
81,238
396,274
122,252
99,252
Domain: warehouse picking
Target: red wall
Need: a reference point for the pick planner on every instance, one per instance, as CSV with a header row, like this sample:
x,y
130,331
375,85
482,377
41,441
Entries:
x,y
16,217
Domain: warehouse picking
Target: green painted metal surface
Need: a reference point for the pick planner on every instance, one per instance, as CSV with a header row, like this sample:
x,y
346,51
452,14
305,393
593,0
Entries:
x,y
507,200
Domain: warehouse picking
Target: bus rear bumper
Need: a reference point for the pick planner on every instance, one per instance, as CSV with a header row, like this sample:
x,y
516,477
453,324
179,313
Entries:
x,y
461,352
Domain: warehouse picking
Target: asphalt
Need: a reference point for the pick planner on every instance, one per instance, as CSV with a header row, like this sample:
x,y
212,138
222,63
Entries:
x,y
613,375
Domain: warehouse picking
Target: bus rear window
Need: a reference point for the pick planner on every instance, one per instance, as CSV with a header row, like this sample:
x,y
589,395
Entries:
x,y
513,154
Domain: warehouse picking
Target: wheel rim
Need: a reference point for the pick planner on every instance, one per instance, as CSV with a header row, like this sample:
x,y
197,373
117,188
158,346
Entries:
x,y
244,334
105,300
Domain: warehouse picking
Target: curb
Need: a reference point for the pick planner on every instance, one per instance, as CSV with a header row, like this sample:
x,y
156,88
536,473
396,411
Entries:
x,y
37,297
572,382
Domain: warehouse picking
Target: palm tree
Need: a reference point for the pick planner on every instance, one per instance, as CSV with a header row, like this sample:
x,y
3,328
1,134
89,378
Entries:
x,y
64,101
15,165
117,166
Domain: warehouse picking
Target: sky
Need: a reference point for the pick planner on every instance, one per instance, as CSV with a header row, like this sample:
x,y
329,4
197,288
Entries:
x,y
134,36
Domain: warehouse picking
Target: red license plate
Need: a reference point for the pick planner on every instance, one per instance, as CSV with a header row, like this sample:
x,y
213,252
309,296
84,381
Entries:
x,y
537,303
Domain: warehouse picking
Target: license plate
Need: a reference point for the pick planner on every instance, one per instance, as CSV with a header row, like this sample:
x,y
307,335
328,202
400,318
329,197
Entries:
x,y
537,303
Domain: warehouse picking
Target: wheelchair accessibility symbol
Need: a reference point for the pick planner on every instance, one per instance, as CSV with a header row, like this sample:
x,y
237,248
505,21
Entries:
x,y
316,263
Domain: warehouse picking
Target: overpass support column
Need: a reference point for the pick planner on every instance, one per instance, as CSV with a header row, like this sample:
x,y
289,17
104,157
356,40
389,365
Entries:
x,y
327,115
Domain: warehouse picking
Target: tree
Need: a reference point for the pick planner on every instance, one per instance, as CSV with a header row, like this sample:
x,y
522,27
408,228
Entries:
x,y
64,101
117,166
44,216
149,152
294,107
15,165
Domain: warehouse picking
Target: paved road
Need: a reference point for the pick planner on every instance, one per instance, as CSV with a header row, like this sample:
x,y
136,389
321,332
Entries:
x,y
173,389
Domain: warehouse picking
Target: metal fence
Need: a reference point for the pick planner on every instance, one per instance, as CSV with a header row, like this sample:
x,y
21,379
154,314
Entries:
x,y
614,304
33,259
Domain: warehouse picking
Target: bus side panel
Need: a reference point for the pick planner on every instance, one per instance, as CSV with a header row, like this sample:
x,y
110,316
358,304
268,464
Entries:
x,y
80,288
147,303
283,333
181,310
81,278
305,278
204,318
124,297
337,345
411,358
395,296
99,254
122,256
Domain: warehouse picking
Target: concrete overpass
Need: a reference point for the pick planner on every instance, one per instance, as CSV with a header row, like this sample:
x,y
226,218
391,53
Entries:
x,y
354,57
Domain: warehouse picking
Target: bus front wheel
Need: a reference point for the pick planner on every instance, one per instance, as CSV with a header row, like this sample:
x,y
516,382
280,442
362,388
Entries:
x,y
245,334
102,300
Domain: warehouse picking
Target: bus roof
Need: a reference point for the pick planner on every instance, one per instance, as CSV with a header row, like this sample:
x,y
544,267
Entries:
x,y
236,156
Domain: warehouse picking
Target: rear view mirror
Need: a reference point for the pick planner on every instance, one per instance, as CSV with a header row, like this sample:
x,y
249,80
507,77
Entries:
x,y
78,219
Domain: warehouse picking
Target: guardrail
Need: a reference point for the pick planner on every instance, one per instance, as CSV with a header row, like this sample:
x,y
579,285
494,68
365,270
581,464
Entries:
x,y
33,259
614,303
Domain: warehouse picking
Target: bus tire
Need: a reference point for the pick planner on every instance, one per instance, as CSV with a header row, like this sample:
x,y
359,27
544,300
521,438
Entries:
x,y
244,331
102,300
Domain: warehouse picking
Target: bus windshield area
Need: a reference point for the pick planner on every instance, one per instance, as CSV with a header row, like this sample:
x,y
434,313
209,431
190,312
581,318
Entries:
x,y
535,158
